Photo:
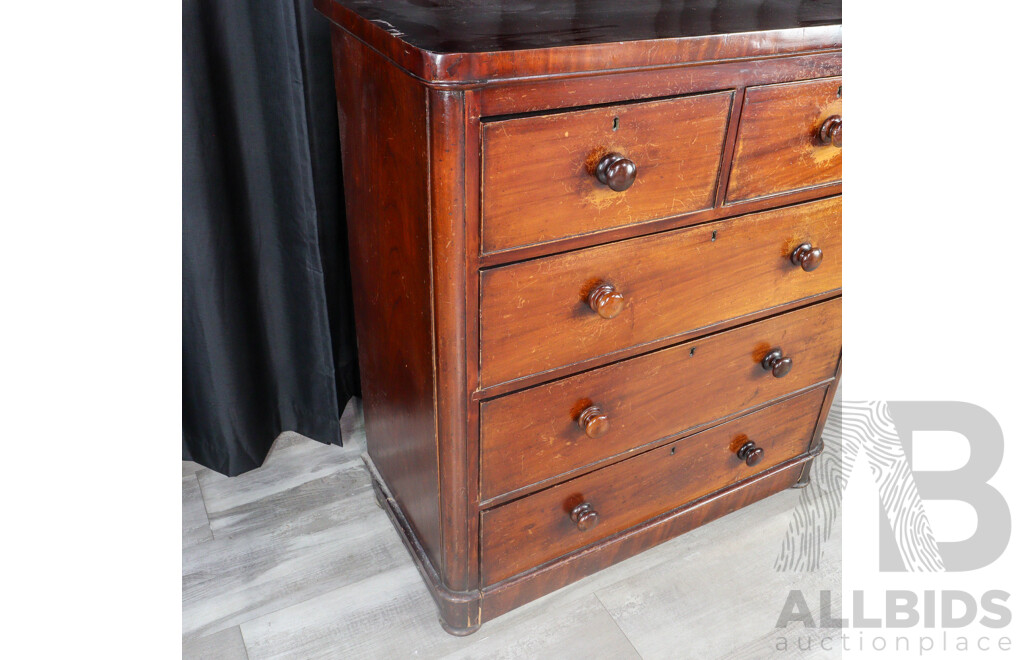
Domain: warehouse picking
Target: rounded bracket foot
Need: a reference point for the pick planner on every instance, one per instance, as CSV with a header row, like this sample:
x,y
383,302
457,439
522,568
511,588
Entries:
x,y
458,632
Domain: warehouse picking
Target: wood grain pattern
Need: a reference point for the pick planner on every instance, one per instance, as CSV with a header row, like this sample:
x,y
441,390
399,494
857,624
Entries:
x,y
534,316
295,462
538,94
535,529
539,173
534,435
284,549
447,159
779,148
383,125
515,591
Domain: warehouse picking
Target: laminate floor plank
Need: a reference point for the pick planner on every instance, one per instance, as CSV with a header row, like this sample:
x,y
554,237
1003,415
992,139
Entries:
x,y
391,615
223,645
579,630
342,496
293,460
286,548
195,526
800,642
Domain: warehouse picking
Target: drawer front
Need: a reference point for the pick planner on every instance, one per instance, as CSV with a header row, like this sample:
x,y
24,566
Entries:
x,y
538,528
547,313
540,173
780,146
543,432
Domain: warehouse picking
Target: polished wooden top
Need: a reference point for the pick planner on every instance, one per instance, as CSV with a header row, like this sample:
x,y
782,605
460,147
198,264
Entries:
x,y
476,26
442,40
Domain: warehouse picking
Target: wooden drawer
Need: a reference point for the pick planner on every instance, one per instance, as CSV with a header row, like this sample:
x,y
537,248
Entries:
x,y
536,316
536,434
538,528
780,146
539,181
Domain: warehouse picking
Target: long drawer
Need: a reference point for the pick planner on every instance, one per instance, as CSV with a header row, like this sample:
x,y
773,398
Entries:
x,y
547,313
542,175
545,431
571,515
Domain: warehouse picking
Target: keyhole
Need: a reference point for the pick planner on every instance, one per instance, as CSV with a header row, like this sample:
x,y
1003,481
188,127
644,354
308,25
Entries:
x,y
714,236
615,124
839,94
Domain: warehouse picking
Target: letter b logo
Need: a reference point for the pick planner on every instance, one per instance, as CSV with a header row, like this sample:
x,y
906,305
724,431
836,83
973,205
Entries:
x,y
967,484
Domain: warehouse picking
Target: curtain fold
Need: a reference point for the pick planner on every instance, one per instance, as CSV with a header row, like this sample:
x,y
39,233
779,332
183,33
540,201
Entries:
x,y
267,324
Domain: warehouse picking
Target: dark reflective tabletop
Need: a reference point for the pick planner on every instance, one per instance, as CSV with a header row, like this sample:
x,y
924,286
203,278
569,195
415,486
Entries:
x,y
468,26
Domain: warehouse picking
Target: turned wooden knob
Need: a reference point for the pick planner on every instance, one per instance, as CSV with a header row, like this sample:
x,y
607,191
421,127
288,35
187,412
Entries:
x,y
750,453
806,256
776,363
584,516
606,301
831,131
616,171
593,422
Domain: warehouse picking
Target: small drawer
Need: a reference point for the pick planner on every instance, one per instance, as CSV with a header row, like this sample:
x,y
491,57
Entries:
x,y
790,138
553,176
547,313
546,431
535,529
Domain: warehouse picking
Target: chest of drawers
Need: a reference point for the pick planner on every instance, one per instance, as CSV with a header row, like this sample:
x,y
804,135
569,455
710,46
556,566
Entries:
x,y
596,253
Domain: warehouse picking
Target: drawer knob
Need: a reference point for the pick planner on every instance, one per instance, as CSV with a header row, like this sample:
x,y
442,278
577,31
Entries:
x,y
606,301
832,131
806,256
750,453
584,516
616,171
776,363
593,422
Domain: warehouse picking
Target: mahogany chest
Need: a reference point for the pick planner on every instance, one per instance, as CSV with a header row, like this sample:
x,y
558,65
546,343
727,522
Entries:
x,y
596,253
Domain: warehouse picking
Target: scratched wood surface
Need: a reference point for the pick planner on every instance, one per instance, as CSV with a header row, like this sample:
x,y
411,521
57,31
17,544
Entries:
x,y
538,172
533,436
778,147
534,316
533,530
300,563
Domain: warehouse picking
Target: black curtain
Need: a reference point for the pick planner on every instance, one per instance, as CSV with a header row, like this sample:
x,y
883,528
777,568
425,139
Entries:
x,y
267,323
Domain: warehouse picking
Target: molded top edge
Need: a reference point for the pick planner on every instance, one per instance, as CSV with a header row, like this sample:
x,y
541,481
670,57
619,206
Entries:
x,y
475,41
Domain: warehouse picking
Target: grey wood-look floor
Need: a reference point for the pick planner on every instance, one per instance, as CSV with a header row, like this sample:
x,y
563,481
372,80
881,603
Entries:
x,y
295,560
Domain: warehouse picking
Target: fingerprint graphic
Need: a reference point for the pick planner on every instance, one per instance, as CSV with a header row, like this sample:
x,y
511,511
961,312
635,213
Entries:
x,y
853,428
819,506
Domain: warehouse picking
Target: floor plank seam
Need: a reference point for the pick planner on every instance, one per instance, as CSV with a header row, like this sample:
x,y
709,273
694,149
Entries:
x,y
227,532
245,644
616,622
206,508
261,615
